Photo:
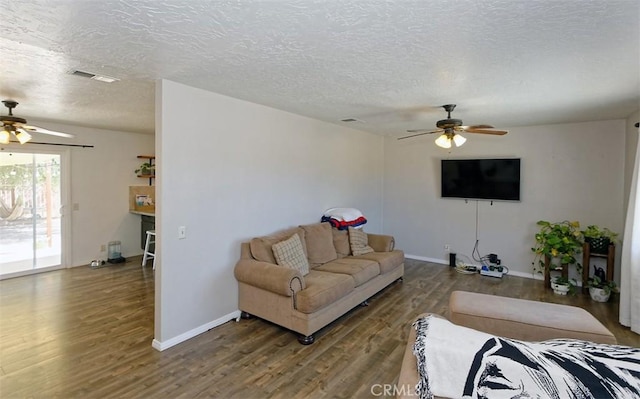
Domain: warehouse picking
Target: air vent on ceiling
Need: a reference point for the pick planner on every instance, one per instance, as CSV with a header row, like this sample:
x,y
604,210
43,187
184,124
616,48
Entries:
x,y
349,120
101,78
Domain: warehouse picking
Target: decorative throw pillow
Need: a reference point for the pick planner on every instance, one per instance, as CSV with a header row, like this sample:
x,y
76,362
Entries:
x,y
359,242
289,253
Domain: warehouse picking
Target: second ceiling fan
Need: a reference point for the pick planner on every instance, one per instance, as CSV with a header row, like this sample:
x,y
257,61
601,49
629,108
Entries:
x,y
449,128
17,126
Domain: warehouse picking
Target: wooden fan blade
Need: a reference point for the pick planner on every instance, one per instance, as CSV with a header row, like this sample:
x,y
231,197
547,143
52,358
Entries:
x,y
42,130
477,127
488,131
420,132
423,131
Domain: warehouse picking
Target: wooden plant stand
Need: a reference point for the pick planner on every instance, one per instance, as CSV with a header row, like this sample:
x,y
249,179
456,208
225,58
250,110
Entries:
x,y
547,273
610,256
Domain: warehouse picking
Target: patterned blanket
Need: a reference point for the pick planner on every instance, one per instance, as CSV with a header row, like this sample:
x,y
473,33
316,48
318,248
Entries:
x,y
459,362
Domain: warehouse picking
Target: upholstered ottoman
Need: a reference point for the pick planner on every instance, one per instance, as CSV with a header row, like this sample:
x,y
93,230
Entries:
x,y
525,320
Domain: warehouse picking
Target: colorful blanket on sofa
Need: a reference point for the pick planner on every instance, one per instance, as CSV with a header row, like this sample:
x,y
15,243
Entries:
x,y
459,362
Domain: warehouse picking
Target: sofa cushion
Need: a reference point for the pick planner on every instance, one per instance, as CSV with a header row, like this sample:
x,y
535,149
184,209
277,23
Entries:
x,y
341,242
362,270
322,289
289,253
358,242
319,241
261,246
388,261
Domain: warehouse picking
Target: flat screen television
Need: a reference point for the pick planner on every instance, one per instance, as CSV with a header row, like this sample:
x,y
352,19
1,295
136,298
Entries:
x,y
487,179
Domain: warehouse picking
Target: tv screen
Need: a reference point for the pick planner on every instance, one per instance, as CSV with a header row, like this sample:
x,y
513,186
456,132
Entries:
x,y
489,179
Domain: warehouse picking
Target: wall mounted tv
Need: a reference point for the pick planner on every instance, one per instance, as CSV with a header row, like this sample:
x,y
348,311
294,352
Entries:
x,y
486,179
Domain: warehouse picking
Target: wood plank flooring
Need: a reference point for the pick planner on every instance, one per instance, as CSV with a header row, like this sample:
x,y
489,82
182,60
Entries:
x,y
86,333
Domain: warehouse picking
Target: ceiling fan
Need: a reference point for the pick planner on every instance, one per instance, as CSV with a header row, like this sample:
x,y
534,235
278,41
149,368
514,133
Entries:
x,y
449,128
18,127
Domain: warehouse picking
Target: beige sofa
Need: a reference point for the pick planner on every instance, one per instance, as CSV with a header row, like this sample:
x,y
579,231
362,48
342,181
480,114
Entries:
x,y
337,280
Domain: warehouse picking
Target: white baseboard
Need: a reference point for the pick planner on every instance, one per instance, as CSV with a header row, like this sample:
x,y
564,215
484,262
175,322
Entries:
x,y
423,258
535,276
160,346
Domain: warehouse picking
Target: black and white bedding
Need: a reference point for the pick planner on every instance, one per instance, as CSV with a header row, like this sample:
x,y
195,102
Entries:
x,y
459,362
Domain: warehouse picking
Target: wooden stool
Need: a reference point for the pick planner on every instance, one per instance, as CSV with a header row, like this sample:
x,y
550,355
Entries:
x,y
151,239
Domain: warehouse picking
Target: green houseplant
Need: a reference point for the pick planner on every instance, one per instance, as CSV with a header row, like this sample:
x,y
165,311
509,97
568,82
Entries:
x,y
599,238
145,169
563,285
600,290
560,240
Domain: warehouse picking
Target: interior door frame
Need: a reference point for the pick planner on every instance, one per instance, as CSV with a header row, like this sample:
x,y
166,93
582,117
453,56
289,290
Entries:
x,y
65,197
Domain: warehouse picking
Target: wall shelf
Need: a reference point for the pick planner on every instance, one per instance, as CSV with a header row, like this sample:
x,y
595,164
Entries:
x,y
151,159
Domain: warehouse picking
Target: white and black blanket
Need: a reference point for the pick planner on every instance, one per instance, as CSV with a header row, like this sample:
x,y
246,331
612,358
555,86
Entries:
x,y
459,362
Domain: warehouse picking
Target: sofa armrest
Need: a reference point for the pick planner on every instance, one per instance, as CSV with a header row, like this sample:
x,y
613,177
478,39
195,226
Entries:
x,y
381,242
277,279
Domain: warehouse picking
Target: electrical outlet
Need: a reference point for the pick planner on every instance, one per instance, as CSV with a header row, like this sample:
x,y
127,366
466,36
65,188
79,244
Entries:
x,y
103,248
447,247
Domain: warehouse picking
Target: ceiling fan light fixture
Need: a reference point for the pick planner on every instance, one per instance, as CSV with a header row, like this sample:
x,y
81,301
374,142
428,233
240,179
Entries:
x,y
23,136
4,136
443,141
459,140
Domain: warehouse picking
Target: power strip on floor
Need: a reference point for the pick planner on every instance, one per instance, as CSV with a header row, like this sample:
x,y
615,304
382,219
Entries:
x,y
491,273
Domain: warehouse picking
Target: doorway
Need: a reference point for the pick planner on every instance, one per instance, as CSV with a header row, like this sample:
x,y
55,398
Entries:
x,y
31,217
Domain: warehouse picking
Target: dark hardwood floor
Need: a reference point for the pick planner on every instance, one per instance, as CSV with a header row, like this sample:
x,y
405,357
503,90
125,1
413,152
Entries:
x,y
86,333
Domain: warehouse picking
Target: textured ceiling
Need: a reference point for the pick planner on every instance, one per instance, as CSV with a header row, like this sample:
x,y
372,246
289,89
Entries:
x,y
389,64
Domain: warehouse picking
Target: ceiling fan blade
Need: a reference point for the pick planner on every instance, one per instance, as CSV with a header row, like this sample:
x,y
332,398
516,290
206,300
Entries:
x,y
42,130
476,127
420,132
487,131
423,131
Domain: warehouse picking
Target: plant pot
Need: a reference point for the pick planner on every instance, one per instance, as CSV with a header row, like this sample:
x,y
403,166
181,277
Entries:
x,y
560,289
599,294
598,245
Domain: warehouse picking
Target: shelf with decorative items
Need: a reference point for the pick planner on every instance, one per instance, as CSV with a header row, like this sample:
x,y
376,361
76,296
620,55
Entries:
x,y
147,170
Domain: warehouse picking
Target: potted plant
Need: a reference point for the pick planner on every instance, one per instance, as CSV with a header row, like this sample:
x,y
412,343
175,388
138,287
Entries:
x,y
563,286
561,240
145,169
599,238
600,290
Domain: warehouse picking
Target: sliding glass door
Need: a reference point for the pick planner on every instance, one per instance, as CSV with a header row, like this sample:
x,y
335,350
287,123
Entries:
x,y
30,212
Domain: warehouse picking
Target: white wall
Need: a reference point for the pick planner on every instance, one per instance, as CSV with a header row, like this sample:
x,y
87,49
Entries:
x,y
100,178
568,171
230,170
